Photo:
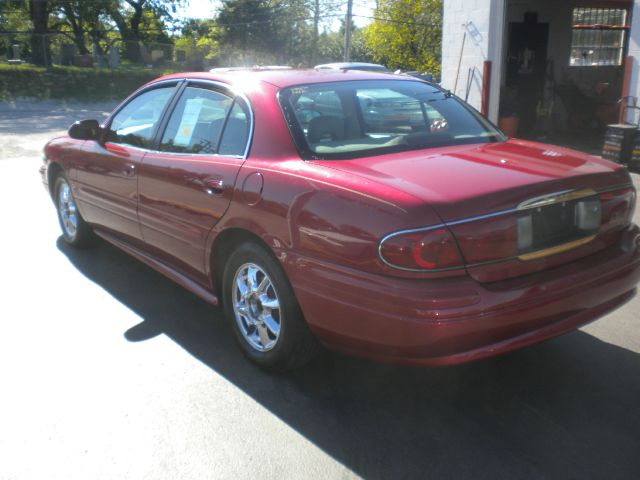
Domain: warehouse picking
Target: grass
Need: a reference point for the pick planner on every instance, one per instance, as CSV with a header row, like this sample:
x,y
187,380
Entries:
x,y
86,84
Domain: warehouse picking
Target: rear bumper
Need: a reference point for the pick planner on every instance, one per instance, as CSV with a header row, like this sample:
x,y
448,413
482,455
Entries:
x,y
456,320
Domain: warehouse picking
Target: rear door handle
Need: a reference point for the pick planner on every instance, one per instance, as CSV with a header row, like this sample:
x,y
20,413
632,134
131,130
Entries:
x,y
214,186
129,170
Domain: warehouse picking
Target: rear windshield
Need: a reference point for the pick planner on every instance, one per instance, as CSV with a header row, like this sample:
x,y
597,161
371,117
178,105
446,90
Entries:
x,y
343,120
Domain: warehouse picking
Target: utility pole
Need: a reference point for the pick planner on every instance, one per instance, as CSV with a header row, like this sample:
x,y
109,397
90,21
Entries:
x,y
347,32
314,42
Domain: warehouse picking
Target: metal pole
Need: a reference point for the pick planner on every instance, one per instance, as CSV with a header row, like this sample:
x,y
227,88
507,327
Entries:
x,y
316,21
486,88
347,31
464,40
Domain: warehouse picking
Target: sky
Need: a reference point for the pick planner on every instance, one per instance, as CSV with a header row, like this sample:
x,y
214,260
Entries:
x,y
206,9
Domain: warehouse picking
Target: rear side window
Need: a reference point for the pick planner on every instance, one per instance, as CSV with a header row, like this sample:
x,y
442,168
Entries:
x,y
197,121
236,131
136,122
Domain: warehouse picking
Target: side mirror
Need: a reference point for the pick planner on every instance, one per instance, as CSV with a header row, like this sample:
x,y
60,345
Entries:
x,y
85,130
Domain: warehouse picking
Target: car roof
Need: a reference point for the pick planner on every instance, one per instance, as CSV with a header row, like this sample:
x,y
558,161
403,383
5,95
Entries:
x,y
287,78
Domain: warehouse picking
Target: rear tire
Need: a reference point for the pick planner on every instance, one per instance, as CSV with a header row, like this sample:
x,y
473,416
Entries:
x,y
263,312
75,231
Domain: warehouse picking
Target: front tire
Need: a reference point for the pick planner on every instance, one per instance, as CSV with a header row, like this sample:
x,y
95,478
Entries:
x,y
263,312
75,230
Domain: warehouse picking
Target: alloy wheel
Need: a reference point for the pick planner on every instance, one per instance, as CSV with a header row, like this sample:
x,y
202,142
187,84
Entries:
x,y
68,211
256,307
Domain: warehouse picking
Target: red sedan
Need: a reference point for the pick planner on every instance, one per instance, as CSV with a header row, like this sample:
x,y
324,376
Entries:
x,y
375,214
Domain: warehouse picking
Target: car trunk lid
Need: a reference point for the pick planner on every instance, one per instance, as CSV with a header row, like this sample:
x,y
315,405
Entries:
x,y
517,188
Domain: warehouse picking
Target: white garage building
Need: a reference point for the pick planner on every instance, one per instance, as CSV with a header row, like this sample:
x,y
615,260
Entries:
x,y
554,65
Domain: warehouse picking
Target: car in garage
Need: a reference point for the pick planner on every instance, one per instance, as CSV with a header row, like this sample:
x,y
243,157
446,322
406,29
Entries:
x,y
413,232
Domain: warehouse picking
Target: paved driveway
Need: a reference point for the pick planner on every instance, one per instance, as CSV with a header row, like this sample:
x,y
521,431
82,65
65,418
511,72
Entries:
x,y
110,371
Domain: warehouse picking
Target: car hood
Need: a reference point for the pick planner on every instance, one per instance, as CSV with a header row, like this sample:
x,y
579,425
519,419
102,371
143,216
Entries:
x,y
464,181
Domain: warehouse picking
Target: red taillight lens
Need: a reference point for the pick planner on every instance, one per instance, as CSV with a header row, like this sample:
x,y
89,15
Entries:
x,y
617,207
427,250
488,239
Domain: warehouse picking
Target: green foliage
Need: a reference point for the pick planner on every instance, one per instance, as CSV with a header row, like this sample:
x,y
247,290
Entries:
x,y
200,38
244,32
331,46
13,18
265,32
87,24
408,34
73,82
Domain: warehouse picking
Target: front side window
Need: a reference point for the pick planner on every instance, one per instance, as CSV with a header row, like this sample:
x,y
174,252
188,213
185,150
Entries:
x,y
136,122
360,118
598,36
206,122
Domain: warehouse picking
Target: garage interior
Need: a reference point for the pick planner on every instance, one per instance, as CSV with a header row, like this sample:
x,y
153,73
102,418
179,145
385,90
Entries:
x,y
565,70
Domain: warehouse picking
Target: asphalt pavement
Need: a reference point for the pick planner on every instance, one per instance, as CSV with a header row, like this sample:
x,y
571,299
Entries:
x,y
110,371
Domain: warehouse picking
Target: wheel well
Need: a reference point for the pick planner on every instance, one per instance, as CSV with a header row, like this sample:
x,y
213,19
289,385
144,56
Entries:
x,y
52,173
224,245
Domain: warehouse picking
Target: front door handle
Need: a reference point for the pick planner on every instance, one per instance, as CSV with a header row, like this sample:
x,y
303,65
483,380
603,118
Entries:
x,y
214,186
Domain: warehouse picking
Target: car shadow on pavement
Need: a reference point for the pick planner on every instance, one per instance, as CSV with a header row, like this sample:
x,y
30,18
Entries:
x,y
567,408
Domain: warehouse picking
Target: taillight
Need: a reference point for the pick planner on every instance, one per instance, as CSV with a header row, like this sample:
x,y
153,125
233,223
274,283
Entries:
x,y
490,238
513,234
426,250
617,207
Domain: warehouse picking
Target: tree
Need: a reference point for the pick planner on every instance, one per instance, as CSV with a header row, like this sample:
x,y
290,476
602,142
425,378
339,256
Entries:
x,y
46,23
13,19
129,22
265,31
199,37
407,34
294,31
39,11
83,18
247,28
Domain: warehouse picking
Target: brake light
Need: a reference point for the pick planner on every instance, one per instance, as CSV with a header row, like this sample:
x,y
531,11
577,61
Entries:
x,y
428,250
617,207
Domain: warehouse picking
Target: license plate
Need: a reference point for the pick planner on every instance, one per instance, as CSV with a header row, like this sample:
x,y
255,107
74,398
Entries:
x,y
559,223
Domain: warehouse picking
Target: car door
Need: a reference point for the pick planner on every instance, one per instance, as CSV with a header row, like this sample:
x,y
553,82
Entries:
x,y
185,186
107,173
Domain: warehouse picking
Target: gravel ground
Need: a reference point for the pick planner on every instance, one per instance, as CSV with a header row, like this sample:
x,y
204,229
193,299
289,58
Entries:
x,y
109,371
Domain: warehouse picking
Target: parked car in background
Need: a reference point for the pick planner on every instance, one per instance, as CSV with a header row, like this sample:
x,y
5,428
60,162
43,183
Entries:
x,y
368,67
427,77
375,214
244,69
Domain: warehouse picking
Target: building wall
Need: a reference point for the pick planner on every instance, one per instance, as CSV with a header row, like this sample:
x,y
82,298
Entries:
x,y
483,20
